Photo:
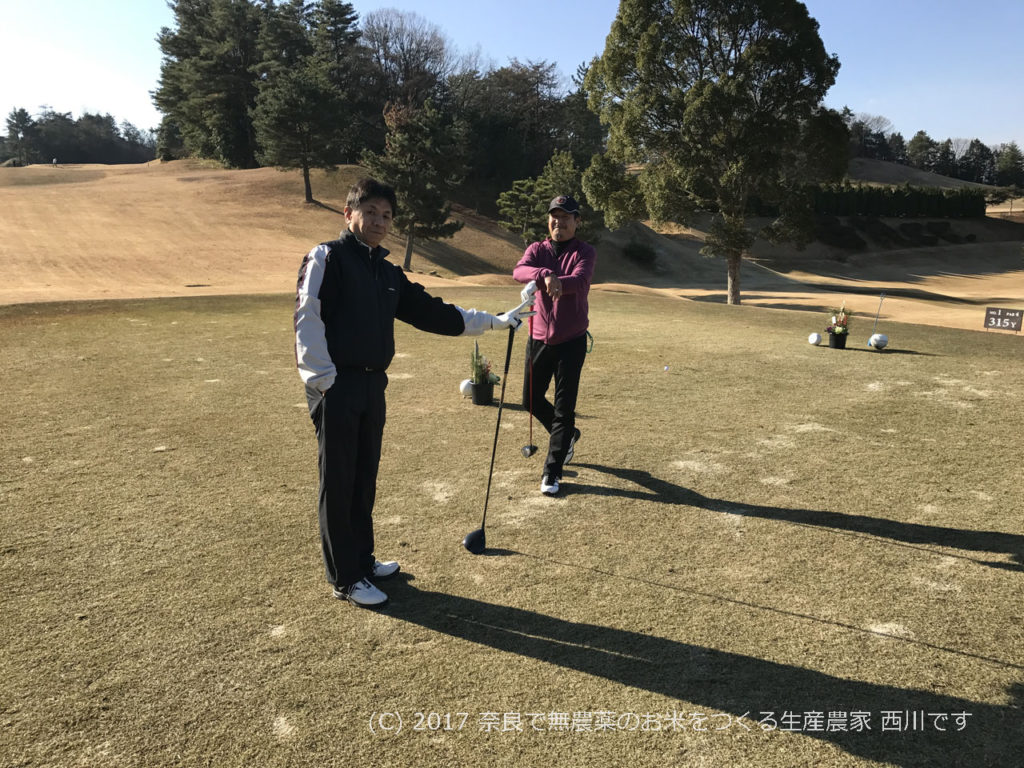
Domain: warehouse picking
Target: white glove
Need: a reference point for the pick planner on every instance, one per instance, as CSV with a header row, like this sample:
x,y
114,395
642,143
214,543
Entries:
x,y
528,291
514,317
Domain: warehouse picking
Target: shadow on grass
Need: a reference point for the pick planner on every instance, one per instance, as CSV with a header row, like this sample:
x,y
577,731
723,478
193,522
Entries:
x,y
447,256
886,351
664,492
816,309
327,207
746,687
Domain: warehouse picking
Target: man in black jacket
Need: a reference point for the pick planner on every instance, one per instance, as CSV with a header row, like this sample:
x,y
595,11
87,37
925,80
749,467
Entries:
x,y
347,300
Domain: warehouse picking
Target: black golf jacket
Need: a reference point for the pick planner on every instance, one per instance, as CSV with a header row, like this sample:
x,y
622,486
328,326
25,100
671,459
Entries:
x,y
347,299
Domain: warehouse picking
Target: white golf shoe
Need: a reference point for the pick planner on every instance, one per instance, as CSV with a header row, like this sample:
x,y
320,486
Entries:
x,y
362,593
386,570
549,485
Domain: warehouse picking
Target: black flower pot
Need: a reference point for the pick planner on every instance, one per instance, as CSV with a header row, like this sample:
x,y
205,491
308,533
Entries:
x,y
483,394
837,340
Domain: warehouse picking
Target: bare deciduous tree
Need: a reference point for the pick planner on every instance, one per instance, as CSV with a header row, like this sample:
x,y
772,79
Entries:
x,y
875,123
413,56
959,147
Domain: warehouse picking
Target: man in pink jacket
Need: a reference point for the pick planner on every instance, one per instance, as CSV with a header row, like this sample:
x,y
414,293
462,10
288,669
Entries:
x,y
562,268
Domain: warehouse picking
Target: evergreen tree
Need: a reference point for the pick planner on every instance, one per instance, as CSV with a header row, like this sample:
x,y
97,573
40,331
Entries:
x,y
58,136
720,102
945,160
520,210
577,128
299,114
525,206
1009,165
336,41
922,152
858,133
337,45
514,115
91,138
169,144
422,160
876,146
21,130
207,85
335,32
978,163
898,148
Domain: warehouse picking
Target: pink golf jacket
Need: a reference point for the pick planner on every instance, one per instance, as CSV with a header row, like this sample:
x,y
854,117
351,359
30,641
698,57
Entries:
x,y
567,318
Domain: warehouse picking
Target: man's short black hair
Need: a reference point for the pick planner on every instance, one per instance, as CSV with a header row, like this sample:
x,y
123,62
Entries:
x,y
367,189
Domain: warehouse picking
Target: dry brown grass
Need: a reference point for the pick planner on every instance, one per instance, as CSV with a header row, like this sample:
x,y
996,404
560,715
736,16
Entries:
x,y
186,228
751,525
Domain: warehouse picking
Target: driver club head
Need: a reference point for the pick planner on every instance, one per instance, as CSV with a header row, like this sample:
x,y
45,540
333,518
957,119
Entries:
x,y
529,450
475,541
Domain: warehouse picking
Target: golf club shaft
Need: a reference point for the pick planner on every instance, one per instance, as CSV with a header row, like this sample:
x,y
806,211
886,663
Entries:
x,y
880,300
529,351
497,427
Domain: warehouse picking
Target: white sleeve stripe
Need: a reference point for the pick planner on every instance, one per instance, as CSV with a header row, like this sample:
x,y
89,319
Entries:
x,y
314,362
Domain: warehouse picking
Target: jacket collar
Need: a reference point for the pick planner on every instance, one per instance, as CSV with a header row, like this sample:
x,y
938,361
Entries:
x,y
566,245
350,240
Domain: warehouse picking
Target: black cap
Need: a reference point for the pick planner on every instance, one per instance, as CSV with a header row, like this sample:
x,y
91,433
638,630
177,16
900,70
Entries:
x,y
566,203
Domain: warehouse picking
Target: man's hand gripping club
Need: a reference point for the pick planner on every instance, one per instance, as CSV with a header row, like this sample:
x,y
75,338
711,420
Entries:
x,y
514,317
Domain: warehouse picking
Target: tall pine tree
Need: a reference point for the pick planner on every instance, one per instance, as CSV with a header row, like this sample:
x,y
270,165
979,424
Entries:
x,y
422,160
300,115
207,85
21,129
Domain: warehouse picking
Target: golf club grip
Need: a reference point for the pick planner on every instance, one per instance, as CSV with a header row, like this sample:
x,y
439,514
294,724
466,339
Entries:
x,y
497,427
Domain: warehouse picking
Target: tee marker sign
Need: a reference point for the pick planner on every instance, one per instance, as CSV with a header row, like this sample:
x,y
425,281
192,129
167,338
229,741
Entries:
x,y
1003,319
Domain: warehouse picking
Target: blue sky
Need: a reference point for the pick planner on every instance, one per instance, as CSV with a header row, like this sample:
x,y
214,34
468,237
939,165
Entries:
x,y
949,67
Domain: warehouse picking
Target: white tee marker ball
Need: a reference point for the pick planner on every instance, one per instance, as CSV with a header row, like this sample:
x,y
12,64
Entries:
x,y
814,338
466,387
878,341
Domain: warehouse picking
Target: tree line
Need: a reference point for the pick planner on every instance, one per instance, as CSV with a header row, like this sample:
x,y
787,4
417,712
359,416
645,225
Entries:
x,y
871,136
712,106
738,115
305,85
92,138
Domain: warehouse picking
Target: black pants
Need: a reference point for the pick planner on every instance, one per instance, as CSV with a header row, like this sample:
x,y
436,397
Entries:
x,y
349,422
564,363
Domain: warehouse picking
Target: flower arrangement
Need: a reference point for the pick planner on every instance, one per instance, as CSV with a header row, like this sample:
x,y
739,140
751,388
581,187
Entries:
x,y
840,321
480,368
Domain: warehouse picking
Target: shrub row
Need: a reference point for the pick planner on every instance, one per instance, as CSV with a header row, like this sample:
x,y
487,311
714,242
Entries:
x,y
830,230
899,202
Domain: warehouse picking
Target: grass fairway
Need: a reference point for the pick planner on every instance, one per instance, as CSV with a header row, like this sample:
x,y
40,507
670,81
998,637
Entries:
x,y
752,525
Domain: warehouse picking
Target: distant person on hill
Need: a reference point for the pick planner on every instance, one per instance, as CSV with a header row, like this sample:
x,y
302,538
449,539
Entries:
x,y
347,300
55,162
562,267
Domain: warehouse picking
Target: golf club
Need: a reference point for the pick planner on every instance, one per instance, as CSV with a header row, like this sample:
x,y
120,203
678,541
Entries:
x,y
476,541
529,449
875,326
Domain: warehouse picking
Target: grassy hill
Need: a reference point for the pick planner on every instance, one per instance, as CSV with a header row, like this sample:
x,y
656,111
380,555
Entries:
x,y
893,174
187,228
